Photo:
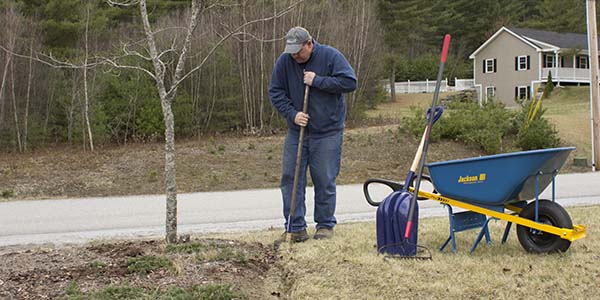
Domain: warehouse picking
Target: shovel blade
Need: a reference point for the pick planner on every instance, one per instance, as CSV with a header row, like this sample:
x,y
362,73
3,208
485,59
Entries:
x,y
392,218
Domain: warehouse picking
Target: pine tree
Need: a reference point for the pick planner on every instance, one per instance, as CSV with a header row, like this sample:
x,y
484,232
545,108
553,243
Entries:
x,y
560,16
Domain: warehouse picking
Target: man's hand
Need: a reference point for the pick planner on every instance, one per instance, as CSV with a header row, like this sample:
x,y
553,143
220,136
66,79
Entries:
x,y
308,78
301,119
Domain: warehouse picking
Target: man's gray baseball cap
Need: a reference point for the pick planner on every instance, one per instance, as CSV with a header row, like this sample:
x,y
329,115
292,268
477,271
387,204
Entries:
x,y
295,39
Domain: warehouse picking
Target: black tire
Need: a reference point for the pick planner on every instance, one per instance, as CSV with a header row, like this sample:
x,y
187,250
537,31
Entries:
x,y
542,242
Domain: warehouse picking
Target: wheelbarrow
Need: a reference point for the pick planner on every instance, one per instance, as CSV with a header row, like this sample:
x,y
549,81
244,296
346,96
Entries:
x,y
504,187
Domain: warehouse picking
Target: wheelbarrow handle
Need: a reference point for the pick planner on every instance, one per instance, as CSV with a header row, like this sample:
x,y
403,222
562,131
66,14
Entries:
x,y
395,186
392,184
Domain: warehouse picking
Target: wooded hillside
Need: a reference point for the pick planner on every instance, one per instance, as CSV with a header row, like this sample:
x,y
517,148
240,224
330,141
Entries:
x,y
57,87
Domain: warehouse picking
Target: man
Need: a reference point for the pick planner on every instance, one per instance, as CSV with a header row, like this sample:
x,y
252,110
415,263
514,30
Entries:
x,y
329,75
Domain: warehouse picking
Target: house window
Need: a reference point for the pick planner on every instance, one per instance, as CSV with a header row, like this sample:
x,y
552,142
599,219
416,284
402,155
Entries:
x,y
582,62
521,92
550,61
523,63
489,65
490,92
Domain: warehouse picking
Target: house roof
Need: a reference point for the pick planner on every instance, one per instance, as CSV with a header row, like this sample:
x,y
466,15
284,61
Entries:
x,y
536,47
560,40
542,40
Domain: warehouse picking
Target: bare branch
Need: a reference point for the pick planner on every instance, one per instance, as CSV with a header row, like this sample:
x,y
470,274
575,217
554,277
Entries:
x,y
115,64
224,38
186,45
172,49
135,53
126,46
158,64
219,4
122,2
170,28
52,61
253,38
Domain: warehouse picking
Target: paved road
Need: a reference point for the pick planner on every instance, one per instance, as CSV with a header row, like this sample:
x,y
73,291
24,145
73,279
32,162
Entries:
x,y
84,219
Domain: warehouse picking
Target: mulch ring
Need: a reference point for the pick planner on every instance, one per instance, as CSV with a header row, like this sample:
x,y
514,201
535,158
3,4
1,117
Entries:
x,y
48,272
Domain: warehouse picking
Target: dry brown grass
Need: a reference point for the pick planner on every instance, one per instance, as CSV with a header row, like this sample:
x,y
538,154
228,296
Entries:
x,y
210,164
569,110
348,266
396,110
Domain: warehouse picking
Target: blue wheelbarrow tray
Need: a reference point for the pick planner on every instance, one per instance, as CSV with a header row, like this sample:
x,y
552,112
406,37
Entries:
x,y
490,184
496,180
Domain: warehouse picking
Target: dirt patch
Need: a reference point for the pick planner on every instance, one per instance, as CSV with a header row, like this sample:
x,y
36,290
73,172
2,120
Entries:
x,y
51,273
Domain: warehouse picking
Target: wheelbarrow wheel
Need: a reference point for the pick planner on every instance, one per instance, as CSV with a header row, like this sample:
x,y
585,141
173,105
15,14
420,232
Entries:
x,y
536,241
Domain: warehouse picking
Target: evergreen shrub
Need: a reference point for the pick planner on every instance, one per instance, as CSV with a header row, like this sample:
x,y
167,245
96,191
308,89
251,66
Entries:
x,y
536,133
486,127
482,126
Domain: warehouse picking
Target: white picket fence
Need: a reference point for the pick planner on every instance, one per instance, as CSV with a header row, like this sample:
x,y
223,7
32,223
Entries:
x,y
463,84
428,86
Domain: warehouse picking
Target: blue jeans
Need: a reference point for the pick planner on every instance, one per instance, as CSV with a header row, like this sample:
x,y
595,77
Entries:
x,y
322,156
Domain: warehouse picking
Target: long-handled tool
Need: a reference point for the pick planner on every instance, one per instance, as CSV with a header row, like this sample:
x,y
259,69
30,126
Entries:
x,y
392,212
297,171
436,93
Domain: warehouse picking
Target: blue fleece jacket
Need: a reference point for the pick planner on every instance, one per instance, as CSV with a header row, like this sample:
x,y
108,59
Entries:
x,y
326,104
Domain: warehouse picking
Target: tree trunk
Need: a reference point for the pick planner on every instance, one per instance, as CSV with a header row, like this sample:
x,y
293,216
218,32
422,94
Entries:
x,y
244,80
210,108
27,98
49,103
274,45
85,83
4,79
131,110
170,173
261,99
82,118
71,109
393,84
166,102
15,110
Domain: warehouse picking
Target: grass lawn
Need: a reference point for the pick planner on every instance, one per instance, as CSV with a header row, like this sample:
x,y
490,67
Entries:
x,y
569,110
247,266
396,110
349,267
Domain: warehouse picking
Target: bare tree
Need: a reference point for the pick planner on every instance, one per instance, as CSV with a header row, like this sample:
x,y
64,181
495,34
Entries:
x,y
28,97
70,109
12,28
15,109
33,35
352,27
52,88
167,86
229,87
85,79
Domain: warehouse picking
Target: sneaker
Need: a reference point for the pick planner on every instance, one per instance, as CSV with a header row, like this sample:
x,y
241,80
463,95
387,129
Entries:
x,y
300,236
324,233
